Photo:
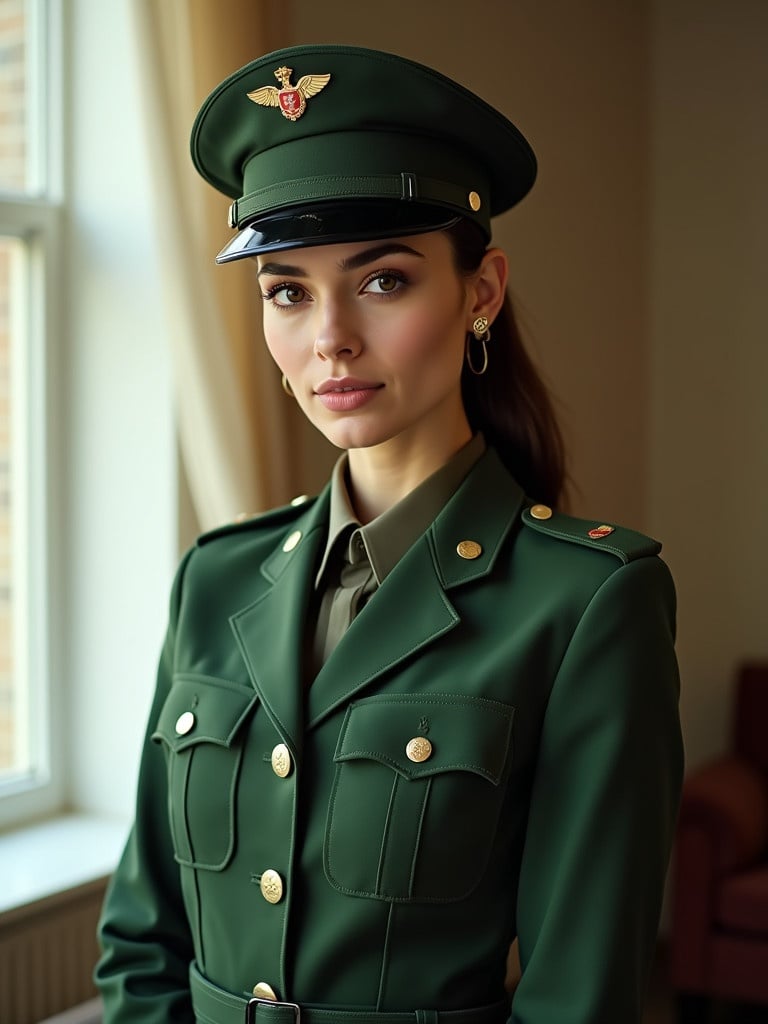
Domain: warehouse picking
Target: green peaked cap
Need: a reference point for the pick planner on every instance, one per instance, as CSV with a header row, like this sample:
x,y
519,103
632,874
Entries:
x,y
319,144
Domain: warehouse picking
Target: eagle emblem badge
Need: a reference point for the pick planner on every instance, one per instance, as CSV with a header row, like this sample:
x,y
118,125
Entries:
x,y
291,99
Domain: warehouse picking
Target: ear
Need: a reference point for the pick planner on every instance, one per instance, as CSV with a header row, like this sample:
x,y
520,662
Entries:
x,y
488,285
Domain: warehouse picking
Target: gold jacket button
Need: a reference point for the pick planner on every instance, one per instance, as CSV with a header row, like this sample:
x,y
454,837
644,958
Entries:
x,y
292,540
185,723
264,991
281,761
541,512
418,749
271,886
469,549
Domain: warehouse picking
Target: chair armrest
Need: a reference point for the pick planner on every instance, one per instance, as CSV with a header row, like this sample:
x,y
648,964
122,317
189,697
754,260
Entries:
x,y
728,800
722,825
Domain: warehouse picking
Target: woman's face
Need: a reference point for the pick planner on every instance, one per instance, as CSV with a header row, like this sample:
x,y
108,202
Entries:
x,y
371,337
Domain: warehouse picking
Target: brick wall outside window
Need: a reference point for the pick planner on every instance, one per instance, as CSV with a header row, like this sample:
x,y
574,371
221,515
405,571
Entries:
x,y
12,178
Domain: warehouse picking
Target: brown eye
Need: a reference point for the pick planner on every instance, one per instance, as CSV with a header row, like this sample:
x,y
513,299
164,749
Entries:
x,y
286,295
384,284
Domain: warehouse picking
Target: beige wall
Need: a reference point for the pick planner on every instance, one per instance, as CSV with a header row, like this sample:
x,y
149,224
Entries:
x,y
640,266
708,480
572,76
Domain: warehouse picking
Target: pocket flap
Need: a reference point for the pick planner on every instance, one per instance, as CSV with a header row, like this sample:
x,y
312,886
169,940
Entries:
x,y
201,709
464,733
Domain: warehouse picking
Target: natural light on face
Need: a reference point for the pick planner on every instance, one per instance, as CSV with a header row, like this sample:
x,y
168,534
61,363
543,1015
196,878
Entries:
x,y
370,336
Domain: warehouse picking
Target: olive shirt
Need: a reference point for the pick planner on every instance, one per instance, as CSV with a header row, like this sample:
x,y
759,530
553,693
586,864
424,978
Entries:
x,y
372,551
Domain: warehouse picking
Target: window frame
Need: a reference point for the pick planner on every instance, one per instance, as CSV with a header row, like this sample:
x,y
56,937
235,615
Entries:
x,y
35,218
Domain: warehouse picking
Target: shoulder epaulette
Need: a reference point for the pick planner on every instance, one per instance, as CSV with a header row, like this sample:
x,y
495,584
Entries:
x,y
274,517
626,545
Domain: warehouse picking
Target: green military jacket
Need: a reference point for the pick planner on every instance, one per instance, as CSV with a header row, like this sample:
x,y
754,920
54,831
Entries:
x,y
493,750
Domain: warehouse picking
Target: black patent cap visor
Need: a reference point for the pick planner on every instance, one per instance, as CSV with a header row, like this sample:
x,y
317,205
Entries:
x,y
331,223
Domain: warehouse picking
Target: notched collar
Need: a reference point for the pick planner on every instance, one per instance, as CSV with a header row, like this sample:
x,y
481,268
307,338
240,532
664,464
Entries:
x,y
296,535
482,512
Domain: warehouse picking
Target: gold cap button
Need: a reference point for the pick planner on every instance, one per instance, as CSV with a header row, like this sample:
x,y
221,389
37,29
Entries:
x,y
281,761
185,723
271,886
264,991
292,540
474,201
469,549
541,512
299,499
419,749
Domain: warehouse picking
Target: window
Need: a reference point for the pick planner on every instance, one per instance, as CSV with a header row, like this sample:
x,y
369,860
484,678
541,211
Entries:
x,y
29,213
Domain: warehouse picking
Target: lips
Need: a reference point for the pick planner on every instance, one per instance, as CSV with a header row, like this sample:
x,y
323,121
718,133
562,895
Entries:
x,y
346,394
342,385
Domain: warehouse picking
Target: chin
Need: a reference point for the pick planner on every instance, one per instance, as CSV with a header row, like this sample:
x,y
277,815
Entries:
x,y
354,435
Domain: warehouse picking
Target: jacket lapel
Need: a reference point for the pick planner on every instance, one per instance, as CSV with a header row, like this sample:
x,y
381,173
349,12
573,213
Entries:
x,y
271,631
409,610
412,608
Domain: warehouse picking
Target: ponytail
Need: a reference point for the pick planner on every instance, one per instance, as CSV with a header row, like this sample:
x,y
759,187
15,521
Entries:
x,y
510,403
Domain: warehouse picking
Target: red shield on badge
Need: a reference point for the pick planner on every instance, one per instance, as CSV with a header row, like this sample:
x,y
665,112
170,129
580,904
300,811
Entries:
x,y
600,531
291,99
291,103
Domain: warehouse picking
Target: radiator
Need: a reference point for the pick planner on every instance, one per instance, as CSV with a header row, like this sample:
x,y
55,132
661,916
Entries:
x,y
47,954
83,1013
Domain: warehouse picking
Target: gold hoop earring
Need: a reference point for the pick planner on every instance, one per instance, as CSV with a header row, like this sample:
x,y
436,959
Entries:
x,y
287,387
468,354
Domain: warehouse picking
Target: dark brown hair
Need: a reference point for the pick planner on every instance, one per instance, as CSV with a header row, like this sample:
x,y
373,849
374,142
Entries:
x,y
510,403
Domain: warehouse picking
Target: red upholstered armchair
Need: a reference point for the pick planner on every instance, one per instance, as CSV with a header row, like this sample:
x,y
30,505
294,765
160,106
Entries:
x,y
719,941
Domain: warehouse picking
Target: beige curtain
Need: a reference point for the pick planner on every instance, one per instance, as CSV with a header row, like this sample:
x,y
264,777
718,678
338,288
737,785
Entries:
x,y
243,444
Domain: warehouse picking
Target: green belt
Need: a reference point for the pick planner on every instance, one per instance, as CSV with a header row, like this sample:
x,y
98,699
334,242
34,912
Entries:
x,y
214,1005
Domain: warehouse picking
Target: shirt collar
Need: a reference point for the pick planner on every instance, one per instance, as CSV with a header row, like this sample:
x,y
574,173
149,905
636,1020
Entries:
x,y
341,514
389,536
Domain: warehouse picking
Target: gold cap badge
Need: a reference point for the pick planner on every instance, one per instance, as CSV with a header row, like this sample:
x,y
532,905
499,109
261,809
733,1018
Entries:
x,y
291,99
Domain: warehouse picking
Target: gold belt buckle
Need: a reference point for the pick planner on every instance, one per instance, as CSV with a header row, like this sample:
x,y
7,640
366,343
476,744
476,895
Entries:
x,y
254,1002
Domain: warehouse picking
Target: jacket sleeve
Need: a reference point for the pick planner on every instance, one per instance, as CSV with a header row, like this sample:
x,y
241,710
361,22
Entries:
x,y
146,944
603,807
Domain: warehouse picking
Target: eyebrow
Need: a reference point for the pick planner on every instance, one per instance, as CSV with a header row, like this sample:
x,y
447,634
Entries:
x,y
377,253
352,263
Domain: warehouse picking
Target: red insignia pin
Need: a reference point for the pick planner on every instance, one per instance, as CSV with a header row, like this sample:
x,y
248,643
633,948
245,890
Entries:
x,y
600,531
291,99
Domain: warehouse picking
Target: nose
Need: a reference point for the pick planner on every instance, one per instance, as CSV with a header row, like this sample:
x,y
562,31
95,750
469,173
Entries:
x,y
336,337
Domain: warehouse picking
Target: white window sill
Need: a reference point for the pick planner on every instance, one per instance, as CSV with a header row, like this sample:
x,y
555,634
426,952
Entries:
x,y
44,860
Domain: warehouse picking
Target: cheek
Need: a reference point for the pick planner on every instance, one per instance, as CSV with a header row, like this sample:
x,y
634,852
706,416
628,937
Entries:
x,y
278,339
424,336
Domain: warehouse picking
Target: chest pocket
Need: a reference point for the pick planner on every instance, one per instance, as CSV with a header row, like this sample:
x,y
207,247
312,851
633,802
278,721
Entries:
x,y
201,727
416,796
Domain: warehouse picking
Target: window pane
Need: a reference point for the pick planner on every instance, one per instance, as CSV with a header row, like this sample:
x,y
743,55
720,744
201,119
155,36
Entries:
x,y
14,739
15,136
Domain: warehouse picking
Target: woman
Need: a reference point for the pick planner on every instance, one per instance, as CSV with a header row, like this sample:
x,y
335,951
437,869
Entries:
x,y
402,723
